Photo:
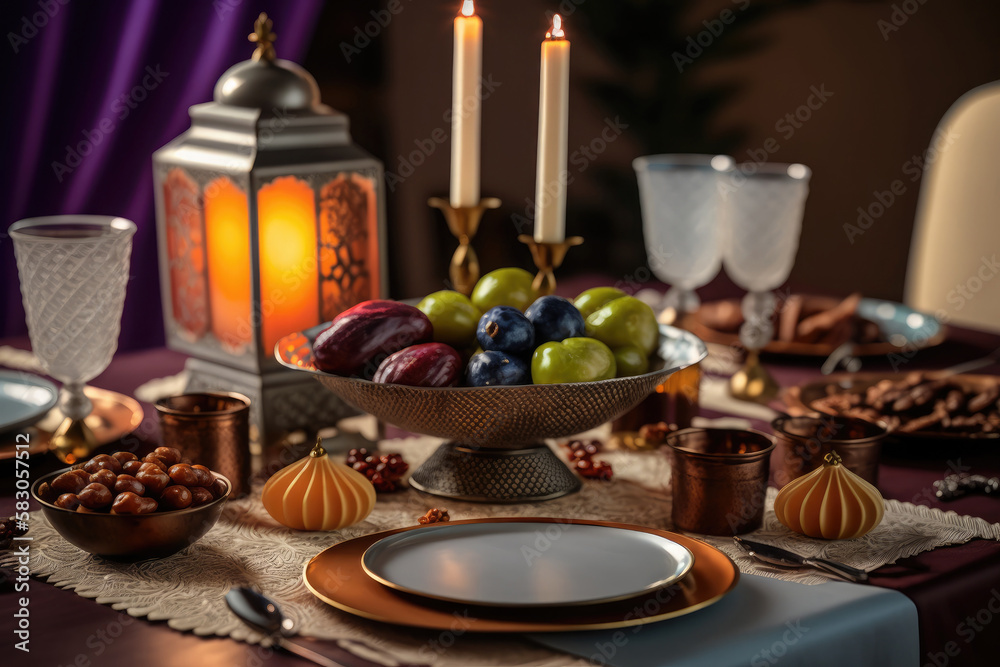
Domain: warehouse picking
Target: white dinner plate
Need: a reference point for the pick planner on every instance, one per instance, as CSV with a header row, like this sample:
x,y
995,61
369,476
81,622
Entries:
x,y
526,564
24,399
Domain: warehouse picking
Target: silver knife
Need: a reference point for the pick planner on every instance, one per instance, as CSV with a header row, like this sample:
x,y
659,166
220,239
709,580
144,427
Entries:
x,y
773,555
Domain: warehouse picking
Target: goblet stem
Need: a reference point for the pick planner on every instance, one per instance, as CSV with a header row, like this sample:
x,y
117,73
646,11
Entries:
x,y
73,441
753,382
681,300
74,402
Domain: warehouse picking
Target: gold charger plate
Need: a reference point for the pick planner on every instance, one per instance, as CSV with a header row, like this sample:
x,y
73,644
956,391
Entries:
x,y
801,399
114,416
336,576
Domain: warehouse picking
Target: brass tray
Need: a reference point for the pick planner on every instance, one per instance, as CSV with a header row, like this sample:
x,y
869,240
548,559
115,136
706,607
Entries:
x,y
336,576
114,416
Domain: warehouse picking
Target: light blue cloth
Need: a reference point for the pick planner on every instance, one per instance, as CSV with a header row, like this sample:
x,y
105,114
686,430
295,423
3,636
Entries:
x,y
765,622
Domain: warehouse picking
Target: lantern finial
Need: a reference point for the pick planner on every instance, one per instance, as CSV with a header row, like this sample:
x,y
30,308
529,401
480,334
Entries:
x,y
264,38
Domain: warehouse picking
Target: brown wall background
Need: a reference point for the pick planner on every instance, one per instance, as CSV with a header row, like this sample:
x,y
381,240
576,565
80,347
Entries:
x,y
888,90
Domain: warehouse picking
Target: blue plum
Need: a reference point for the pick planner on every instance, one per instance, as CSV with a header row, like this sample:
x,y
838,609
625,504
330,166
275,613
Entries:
x,y
491,368
506,329
555,319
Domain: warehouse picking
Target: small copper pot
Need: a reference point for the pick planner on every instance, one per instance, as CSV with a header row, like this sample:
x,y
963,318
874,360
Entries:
x,y
802,442
213,429
719,479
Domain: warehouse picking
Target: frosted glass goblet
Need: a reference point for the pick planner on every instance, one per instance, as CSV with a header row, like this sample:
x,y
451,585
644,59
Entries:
x,y
73,271
681,214
763,206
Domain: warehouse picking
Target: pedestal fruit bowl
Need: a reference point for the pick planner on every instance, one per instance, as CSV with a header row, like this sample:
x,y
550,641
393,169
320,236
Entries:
x,y
495,451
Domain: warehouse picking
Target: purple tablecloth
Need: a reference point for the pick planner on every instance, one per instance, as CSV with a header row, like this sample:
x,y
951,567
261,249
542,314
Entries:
x,y
953,588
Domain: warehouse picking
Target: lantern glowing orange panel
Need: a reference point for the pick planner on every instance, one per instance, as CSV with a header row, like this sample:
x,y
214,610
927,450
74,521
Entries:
x,y
289,275
227,232
349,252
185,239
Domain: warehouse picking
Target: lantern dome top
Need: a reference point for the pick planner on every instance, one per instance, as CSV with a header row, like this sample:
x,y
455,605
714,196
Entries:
x,y
265,82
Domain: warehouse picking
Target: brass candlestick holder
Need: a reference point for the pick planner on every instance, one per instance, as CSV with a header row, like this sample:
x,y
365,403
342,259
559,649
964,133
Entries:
x,y
463,221
548,257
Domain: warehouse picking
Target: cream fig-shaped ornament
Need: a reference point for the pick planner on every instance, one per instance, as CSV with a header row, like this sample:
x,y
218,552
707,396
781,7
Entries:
x,y
831,502
317,493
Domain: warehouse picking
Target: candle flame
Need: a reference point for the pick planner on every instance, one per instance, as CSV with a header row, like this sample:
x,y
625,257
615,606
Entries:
x,y
557,31
468,8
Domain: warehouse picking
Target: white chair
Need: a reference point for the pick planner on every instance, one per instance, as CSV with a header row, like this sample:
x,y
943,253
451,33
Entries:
x,y
954,265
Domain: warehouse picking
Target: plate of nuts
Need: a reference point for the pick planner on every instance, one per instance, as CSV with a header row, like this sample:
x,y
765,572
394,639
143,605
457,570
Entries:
x,y
914,406
120,506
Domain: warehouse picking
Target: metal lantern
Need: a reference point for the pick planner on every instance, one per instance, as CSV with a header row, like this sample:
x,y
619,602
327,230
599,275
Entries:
x,y
270,220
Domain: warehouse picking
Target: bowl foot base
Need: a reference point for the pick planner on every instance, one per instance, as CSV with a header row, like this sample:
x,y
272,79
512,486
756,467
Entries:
x,y
525,475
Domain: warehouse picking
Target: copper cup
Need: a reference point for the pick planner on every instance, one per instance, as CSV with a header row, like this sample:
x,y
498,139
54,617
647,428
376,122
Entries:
x,y
719,479
802,443
213,429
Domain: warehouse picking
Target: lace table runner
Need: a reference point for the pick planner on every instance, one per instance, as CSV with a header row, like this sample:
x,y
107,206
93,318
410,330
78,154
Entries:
x,y
247,547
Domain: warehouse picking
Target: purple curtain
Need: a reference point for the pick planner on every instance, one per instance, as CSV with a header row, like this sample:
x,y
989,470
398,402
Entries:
x,y
91,90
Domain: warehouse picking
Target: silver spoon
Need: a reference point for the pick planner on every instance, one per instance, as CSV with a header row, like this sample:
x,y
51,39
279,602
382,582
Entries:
x,y
263,615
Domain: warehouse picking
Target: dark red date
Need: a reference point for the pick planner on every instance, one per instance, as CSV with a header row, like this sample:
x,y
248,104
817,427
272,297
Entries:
x,y
205,476
104,477
176,497
154,479
124,457
184,474
130,503
95,496
153,458
200,495
129,483
103,462
67,501
71,482
169,455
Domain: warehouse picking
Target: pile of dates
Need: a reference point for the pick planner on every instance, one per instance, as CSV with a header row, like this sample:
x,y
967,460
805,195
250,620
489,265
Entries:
x,y
503,335
581,459
121,483
384,471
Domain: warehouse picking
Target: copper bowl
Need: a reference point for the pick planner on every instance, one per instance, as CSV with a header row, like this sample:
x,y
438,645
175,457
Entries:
x,y
132,536
499,417
804,441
